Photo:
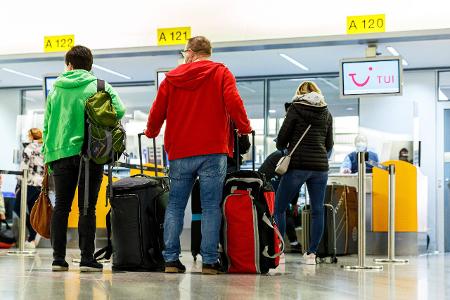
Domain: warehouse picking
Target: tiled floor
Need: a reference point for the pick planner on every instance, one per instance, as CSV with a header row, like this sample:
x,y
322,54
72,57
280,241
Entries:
x,y
426,277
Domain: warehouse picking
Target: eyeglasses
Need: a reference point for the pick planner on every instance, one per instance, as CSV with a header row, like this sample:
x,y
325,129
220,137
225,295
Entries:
x,y
183,52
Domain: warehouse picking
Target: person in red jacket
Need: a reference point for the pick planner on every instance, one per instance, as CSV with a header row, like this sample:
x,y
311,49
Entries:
x,y
198,100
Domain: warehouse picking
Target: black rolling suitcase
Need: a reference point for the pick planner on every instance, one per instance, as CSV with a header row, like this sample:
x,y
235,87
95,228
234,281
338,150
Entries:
x,y
138,206
196,224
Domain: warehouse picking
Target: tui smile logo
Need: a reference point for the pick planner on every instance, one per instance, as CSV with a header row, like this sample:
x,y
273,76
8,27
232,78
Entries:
x,y
352,75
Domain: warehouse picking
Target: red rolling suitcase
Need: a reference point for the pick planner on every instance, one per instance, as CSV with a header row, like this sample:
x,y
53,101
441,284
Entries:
x,y
251,242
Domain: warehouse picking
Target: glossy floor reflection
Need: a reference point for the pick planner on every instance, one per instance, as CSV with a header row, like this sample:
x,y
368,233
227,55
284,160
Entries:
x,y
426,277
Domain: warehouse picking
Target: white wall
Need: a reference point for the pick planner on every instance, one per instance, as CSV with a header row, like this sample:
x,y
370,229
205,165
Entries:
x,y
23,24
9,110
392,118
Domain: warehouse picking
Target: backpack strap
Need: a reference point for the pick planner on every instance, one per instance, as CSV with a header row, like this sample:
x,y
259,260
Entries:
x,y
100,85
108,249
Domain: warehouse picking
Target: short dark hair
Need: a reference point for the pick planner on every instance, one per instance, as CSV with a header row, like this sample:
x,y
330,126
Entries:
x,y
79,57
199,44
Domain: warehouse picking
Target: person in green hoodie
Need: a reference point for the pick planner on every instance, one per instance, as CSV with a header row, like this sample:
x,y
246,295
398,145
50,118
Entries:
x,y
63,141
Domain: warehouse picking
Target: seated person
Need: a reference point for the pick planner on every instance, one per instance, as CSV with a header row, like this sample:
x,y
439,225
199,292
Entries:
x,y
350,163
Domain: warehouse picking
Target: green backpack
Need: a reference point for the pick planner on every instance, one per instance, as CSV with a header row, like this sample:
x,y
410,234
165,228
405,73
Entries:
x,y
105,137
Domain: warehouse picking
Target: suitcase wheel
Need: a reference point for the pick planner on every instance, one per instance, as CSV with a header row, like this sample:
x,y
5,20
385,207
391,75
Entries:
x,y
194,255
334,260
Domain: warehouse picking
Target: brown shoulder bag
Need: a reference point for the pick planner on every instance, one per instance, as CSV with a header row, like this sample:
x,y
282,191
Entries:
x,y
41,213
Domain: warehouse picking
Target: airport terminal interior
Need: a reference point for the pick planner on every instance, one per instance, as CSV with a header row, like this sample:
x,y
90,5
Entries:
x,y
402,117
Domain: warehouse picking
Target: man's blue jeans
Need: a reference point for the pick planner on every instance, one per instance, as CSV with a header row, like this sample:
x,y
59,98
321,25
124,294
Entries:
x,y
290,184
211,169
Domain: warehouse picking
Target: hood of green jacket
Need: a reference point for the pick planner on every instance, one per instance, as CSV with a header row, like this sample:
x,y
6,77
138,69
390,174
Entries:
x,y
74,79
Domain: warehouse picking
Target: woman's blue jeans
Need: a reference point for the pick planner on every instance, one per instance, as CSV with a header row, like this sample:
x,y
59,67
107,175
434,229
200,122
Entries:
x,y
290,184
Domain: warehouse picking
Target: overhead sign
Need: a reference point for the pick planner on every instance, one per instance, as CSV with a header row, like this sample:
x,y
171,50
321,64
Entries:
x,y
371,76
173,36
366,24
59,43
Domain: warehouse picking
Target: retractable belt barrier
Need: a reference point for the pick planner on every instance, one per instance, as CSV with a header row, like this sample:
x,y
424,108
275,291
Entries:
x,y
362,217
391,215
23,211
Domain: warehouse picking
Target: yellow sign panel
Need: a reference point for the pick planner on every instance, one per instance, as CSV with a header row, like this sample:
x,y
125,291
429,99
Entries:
x,y
173,36
366,24
59,43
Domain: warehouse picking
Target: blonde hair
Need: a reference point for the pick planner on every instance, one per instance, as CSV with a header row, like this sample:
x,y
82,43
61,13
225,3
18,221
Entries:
x,y
35,134
307,87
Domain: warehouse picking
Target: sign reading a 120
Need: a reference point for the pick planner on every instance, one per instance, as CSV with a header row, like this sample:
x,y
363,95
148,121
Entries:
x,y
366,24
173,36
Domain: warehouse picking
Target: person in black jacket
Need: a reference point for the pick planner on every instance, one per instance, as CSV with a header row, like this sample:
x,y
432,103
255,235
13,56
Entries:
x,y
309,162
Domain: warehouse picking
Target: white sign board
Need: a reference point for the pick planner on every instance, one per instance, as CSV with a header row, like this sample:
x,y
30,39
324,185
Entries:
x,y
371,76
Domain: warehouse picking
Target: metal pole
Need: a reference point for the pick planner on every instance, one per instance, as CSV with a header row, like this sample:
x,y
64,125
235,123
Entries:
x,y
391,220
23,213
362,217
361,209
391,213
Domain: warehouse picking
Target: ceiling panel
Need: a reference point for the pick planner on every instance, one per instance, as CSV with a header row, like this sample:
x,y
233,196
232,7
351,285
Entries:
x,y
242,63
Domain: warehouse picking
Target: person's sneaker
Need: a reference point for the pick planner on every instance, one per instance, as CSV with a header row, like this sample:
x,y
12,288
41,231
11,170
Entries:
x,y
60,266
212,269
295,248
174,267
30,245
308,259
90,266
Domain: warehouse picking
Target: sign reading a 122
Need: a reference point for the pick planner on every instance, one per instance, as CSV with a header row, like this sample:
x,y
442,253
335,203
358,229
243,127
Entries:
x,y
58,43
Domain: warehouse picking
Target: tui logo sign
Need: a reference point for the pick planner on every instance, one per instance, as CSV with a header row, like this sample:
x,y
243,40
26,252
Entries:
x,y
371,77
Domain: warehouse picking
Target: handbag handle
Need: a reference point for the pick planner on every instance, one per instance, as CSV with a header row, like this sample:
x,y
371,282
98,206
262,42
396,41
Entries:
x,y
44,187
301,138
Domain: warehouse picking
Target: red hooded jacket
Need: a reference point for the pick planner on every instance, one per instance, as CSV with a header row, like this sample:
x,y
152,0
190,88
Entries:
x,y
199,100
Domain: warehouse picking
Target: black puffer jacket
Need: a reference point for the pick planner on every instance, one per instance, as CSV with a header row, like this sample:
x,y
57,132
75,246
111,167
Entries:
x,y
311,154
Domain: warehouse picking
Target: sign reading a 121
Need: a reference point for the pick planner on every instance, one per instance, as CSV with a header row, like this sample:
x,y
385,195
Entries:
x,y
173,36
58,43
366,24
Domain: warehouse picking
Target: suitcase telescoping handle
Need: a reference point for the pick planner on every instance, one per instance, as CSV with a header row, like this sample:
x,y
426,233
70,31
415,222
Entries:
x,y
236,149
140,154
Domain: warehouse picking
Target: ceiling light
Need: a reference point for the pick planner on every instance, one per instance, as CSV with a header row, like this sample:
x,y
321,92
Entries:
x,y
246,87
21,74
111,71
30,99
293,61
442,96
272,111
329,83
393,51
349,108
404,62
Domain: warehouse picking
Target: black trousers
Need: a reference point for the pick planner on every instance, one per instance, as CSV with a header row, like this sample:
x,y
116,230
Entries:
x,y
65,174
32,195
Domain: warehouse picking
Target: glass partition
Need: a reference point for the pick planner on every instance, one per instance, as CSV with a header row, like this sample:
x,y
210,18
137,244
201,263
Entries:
x,y
345,114
252,94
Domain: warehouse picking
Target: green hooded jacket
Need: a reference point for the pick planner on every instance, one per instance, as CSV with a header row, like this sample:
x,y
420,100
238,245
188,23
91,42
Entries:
x,y
64,113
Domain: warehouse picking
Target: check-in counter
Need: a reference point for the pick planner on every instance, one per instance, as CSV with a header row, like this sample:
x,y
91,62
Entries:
x,y
410,209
